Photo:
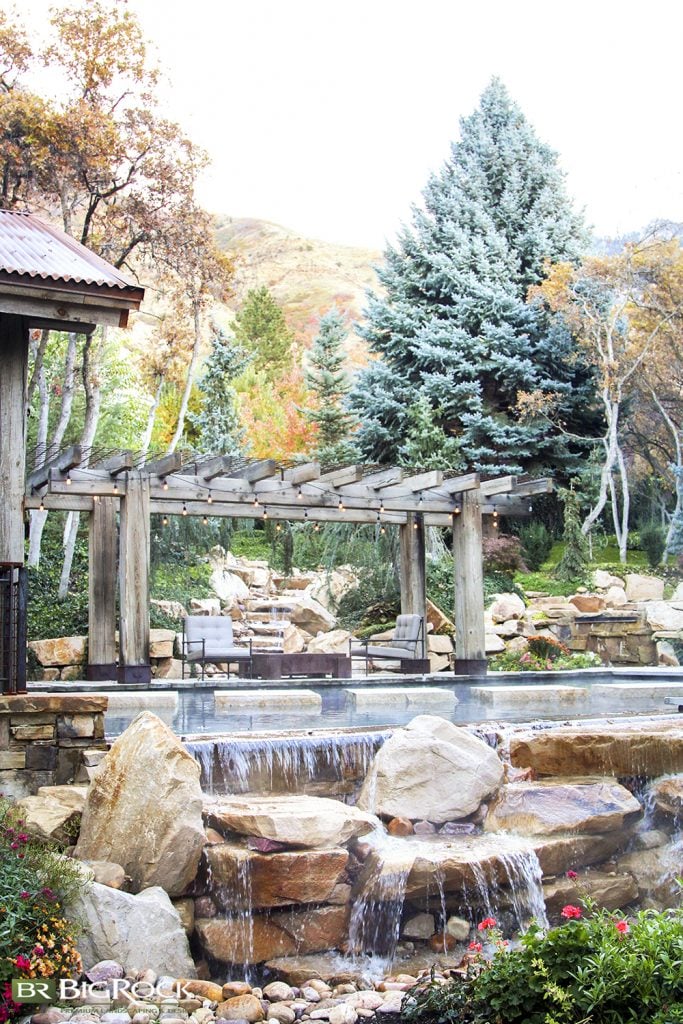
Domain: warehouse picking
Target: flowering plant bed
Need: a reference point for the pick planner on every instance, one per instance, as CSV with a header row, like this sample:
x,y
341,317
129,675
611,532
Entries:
x,y
598,967
36,881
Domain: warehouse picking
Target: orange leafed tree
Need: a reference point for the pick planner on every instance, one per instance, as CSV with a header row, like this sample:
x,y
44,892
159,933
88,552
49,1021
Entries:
x,y
275,427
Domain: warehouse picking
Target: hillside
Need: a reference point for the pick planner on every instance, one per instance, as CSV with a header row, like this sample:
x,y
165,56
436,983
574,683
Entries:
x,y
306,276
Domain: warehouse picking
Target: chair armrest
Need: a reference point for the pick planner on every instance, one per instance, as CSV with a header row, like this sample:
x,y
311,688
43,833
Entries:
x,y
188,643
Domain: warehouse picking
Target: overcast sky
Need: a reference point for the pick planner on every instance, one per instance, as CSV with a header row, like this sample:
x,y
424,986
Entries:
x,y
326,116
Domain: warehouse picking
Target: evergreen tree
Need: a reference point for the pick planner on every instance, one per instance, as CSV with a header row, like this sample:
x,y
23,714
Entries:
x,y
453,325
426,445
260,327
573,566
327,379
218,423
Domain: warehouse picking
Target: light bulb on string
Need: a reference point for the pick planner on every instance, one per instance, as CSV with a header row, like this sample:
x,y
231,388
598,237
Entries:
x,y
41,507
164,521
165,484
205,520
116,487
256,501
299,495
184,512
340,506
68,480
209,498
316,527
278,527
265,512
416,525
381,506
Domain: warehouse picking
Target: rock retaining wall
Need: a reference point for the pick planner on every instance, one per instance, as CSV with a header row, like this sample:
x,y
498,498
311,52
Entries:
x,y
45,738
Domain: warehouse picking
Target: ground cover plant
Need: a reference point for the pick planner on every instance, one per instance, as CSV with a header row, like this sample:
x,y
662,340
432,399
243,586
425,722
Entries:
x,y
36,882
597,967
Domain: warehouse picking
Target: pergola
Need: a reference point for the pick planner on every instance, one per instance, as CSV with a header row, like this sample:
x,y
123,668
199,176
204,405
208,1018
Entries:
x,y
119,488
48,281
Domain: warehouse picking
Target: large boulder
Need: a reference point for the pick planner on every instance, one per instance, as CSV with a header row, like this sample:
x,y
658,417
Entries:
x,y
667,795
609,891
328,588
230,587
546,808
644,588
275,879
273,935
144,808
431,769
143,931
662,615
54,812
604,580
308,821
335,642
507,606
63,650
310,615
656,872
649,750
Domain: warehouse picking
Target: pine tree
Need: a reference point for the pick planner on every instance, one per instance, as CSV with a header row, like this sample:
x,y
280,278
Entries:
x,y
453,325
573,566
328,381
218,423
260,327
426,445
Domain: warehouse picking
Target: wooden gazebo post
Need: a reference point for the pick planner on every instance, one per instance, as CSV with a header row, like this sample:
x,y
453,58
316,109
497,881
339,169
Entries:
x,y
14,356
412,569
470,640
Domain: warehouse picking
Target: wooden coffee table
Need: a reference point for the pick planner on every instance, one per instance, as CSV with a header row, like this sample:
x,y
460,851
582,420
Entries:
x,y
275,666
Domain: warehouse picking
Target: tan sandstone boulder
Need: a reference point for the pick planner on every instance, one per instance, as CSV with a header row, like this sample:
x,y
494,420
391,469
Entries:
x,y
144,808
313,930
431,769
297,820
275,879
54,811
546,808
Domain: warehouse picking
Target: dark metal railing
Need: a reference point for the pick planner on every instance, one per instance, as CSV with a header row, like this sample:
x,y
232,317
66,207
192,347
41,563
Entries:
x,y
12,628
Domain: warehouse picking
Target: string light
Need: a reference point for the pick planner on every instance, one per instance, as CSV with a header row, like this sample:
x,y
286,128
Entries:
x,y
256,501
164,521
68,480
381,506
95,497
305,513
278,527
184,509
209,498
265,512
420,500
316,527
205,520
165,484
116,487
340,506
416,525
41,507
299,494
456,510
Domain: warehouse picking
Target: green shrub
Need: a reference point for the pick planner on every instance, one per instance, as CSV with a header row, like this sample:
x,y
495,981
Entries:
x,y
500,583
537,543
36,882
597,967
653,543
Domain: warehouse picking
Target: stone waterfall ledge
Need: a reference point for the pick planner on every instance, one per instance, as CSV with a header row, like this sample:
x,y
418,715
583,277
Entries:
x,y
402,695
43,738
292,700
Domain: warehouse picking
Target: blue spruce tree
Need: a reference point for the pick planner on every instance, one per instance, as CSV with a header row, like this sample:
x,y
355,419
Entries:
x,y
453,327
218,422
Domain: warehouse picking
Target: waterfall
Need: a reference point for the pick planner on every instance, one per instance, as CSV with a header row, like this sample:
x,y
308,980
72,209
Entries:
x,y
288,763
375,924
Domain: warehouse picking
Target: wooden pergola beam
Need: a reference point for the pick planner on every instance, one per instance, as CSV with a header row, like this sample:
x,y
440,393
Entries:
x,y
61,463
165,465
116,464
338,477
302,474
418,482
212,468
256,471
289,513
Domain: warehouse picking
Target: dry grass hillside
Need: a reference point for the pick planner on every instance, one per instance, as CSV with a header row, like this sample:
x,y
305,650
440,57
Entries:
x,y
306,276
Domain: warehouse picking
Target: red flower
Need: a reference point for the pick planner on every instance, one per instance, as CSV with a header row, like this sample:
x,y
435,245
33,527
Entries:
x,y
38,950
47,893
622,927
25,895
23,962
571,912
22,837
572,875
476,947
488,922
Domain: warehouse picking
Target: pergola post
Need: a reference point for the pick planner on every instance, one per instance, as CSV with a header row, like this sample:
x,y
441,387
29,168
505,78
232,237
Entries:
x,y
14,349
412,571
134,664
470,642
102,591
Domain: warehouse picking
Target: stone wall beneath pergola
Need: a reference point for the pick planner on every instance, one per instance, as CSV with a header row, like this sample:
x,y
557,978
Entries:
x,y
219,486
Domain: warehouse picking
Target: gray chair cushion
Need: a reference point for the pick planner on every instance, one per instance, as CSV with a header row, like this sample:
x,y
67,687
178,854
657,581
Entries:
x,y
407,632
216,632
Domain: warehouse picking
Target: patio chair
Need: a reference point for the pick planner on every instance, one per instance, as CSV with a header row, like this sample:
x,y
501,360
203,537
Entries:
x,y
209,638
406,646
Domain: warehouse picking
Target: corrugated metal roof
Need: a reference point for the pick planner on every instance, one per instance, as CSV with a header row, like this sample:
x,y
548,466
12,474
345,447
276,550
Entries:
x,y
30,247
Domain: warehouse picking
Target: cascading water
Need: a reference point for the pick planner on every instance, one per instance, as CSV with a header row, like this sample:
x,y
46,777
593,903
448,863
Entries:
x,y
375,923
287,763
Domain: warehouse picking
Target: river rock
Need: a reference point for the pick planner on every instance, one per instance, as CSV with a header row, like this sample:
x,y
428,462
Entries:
x,y
655,873
644,588
246,1007
63,650
276,880
421,926
54,811
296,820
546,808
400,827
343,1014
235,988
650,750
310,615
667,794
313,930
107,873
143,809
282,1013
459,928
143,929
612,892
431,769
278,992
507,606
335,642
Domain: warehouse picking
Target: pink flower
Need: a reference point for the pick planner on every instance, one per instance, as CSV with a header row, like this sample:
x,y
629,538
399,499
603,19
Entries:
x,y
23,962
570,912
22,837
476,947
488,922
14,846
25,895
38,950
622,927
572,875
47,893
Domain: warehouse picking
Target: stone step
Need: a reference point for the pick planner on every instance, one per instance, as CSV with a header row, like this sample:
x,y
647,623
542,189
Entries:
x,y
264,616
267,604
292,700
540,693
269,628
402,695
